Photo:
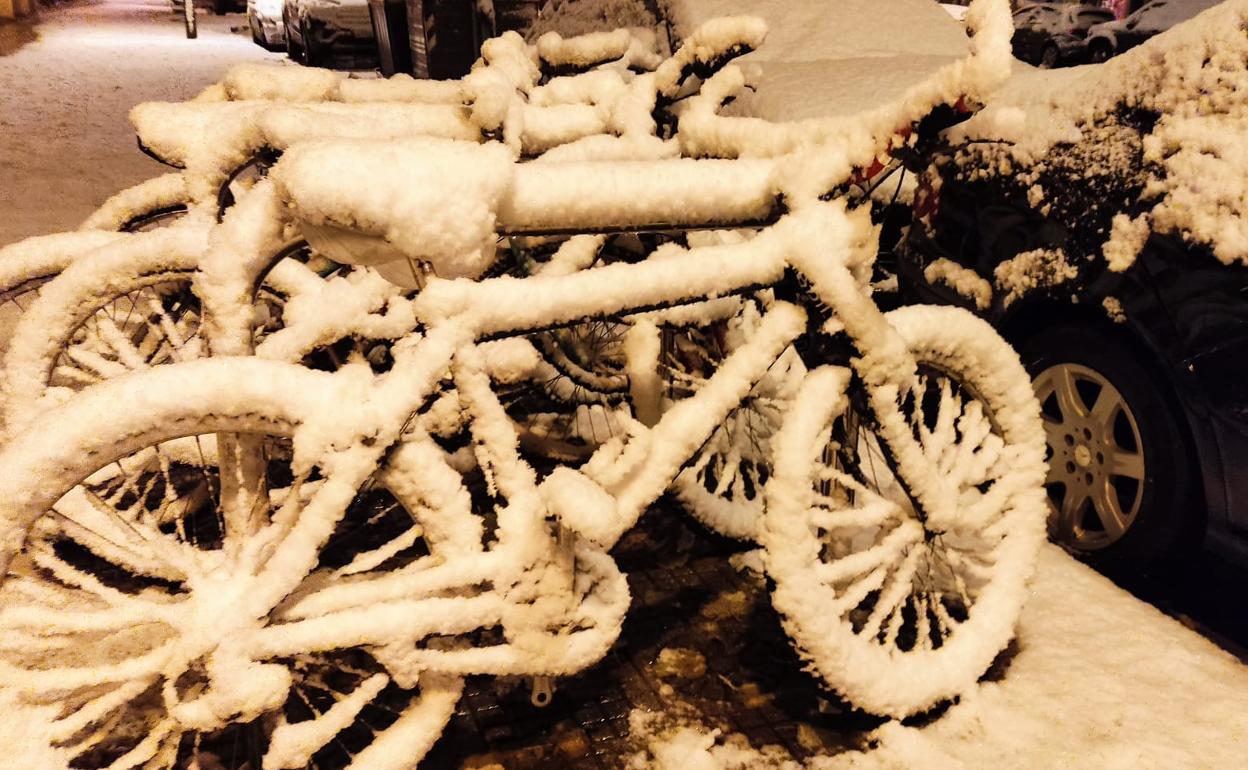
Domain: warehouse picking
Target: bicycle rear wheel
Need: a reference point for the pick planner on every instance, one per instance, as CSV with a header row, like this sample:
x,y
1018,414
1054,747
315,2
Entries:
x,y
129,571
127,307
722,486
893,613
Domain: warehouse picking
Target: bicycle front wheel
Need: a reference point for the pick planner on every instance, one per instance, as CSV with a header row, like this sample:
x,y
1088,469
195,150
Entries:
x,y
127,307
895,614
132,563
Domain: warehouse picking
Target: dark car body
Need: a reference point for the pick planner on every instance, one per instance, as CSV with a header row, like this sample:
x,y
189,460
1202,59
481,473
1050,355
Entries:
x,y
1177,310
318,31
1106,40
1050,34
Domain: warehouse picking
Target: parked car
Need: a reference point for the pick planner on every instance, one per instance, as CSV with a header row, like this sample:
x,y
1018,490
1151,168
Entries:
x,y
1119,276
1051,34
1114,37
265,19
319,30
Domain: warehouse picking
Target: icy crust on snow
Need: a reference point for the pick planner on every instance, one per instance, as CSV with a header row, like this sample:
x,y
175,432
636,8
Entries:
x,y
442,211
1195,78
963,280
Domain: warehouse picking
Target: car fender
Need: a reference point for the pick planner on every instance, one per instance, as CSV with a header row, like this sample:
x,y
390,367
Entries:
x,y
1142,329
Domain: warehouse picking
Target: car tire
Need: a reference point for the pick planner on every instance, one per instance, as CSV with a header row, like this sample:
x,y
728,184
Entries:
x,y
1100,51
257,36
314,53
294,50
1097,448
1050,57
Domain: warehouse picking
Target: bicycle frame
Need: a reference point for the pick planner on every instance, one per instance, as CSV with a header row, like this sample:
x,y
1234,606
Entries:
x,y
820,242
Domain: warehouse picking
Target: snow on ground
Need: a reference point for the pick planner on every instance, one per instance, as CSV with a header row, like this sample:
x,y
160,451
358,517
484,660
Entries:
x,y
1100,680
65,142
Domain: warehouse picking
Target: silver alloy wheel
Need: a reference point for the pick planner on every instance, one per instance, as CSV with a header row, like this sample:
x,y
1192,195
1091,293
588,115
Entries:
x,y
1096,457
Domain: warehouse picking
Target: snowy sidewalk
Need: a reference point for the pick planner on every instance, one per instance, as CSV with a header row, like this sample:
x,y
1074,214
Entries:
x,y
1101,680
65,141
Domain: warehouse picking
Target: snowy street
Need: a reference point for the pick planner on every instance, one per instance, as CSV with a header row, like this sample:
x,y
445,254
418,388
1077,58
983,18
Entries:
x,y
65,95
702,677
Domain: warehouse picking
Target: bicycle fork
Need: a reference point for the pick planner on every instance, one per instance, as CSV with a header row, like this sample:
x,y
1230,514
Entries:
x,y
608,496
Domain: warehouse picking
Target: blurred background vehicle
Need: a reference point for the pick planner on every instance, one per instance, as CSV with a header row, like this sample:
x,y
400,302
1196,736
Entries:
x,y
1052,34
1114,37
319,32
264,17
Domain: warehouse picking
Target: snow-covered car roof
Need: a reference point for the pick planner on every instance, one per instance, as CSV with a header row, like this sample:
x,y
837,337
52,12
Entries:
x,y
1194,77
956,11
835,58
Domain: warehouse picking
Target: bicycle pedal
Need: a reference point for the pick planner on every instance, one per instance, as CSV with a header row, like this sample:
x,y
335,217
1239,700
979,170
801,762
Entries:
x,y
541,691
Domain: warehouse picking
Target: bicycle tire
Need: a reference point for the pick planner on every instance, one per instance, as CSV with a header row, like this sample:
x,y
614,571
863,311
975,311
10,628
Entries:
x,y
159,200
29,265
894,616
722,486
60,563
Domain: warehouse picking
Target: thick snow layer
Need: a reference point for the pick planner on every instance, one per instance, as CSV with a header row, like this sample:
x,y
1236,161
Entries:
x,y
65,142
1100,681
1195,77
824,59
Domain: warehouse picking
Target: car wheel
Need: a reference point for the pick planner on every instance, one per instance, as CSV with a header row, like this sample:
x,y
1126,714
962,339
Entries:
x,y
293,49
1050,57
257,36
1099,51
1121,481
315,53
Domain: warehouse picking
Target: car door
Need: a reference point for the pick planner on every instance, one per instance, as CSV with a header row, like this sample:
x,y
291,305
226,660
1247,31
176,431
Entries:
x,y
1207,303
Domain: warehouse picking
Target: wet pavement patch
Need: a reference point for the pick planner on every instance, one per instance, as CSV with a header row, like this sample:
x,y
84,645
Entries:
x,y
701,646
14,35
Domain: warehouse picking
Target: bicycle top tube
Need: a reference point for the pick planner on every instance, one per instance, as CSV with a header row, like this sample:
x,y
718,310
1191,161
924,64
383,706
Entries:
x,y
825,231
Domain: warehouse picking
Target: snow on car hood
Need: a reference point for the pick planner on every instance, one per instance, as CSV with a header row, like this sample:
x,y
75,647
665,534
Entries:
x,y
836,58
1195,77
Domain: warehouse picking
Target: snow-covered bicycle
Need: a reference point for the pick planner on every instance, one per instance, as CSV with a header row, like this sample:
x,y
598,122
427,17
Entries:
x,y
300,563
132,306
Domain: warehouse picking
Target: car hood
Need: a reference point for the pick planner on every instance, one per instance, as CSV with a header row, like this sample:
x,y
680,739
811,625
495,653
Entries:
x,y
835,58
